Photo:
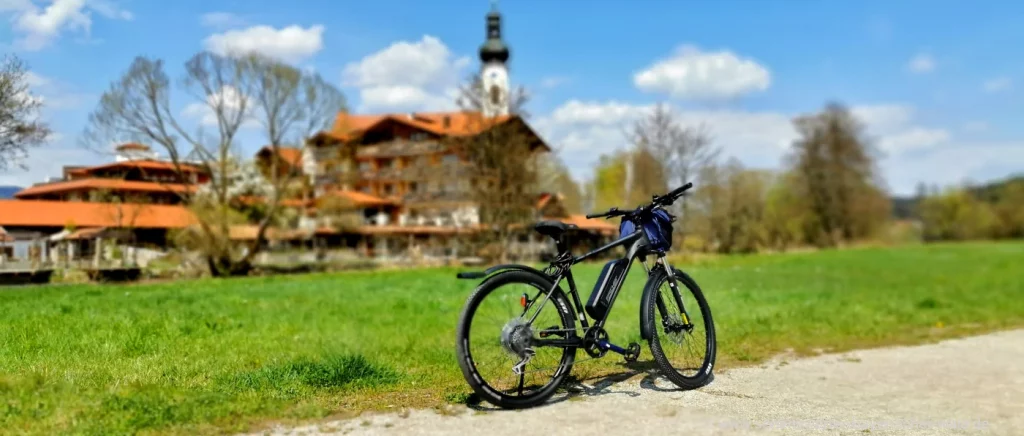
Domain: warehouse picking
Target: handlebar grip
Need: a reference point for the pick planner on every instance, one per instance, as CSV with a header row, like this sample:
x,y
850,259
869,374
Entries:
x,y
594,215
680,190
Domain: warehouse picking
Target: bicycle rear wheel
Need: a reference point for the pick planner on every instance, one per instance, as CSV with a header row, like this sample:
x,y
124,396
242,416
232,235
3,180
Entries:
x,y
494,333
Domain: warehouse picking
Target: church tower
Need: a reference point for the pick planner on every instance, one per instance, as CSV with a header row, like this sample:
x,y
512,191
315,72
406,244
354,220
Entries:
x,y
494,56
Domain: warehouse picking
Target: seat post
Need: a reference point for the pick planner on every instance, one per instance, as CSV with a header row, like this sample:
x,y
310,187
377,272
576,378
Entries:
x,y
562,243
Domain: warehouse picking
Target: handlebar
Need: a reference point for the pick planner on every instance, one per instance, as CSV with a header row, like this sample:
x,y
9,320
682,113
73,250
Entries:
x,y
663,200
613,212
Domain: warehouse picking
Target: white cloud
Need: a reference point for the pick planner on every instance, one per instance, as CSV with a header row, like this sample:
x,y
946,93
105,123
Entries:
x,y
997,84
291,44
916,138
407,76
582,131
884,119
694,74
921,63
954,164
110,10
221,20
40,27
232,100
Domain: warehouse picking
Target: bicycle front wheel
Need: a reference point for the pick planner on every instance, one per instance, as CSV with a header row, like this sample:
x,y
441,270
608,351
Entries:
x,y
682,339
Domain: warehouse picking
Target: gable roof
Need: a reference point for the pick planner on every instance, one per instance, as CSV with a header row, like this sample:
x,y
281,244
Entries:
x,y
457,123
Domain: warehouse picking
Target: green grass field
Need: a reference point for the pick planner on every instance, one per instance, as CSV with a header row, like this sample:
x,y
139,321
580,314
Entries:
x,y
212,356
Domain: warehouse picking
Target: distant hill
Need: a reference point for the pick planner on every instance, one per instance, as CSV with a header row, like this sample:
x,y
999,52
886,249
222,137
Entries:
x,y
903,207
8,191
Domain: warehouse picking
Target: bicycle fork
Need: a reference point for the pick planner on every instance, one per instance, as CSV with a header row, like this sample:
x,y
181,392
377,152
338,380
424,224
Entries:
x,y
660,301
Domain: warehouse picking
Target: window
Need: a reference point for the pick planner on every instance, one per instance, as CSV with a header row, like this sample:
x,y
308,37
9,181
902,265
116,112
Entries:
x,y
364,166
414,187
495,94
384,163
389,189
450,158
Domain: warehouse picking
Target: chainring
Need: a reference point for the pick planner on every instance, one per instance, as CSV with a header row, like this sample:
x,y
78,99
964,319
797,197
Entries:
x,y
590,340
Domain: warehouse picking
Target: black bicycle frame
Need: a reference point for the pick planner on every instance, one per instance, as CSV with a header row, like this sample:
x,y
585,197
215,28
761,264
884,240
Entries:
x,y
638,246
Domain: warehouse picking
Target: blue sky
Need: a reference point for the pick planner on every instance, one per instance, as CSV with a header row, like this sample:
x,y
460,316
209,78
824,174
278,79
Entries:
x,y
936,82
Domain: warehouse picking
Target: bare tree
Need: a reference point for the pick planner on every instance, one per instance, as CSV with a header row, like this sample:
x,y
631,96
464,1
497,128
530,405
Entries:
x,y
681,151
502,165
232,93
20,128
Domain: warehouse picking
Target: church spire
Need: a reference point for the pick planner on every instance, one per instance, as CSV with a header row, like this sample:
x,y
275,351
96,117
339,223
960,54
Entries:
x,y
494,49
494,78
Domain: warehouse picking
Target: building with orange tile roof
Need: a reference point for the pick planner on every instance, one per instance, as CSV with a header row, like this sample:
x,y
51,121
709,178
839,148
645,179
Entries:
x,y
392,161
150,180
384,166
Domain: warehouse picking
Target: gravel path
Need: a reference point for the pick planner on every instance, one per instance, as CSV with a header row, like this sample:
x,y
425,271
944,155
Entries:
x,y
964,386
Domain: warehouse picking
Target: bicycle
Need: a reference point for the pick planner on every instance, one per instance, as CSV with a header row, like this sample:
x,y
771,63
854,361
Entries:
x,y
645,231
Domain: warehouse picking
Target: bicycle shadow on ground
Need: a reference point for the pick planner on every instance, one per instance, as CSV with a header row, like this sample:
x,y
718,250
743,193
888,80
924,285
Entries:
x,y
575,388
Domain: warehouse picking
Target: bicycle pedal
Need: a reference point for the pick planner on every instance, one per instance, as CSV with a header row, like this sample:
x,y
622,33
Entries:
x,y
632,352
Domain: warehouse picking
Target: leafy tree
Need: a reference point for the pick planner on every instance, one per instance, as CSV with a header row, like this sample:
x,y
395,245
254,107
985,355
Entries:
x,y
730,209
956,215
834,166
608,186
